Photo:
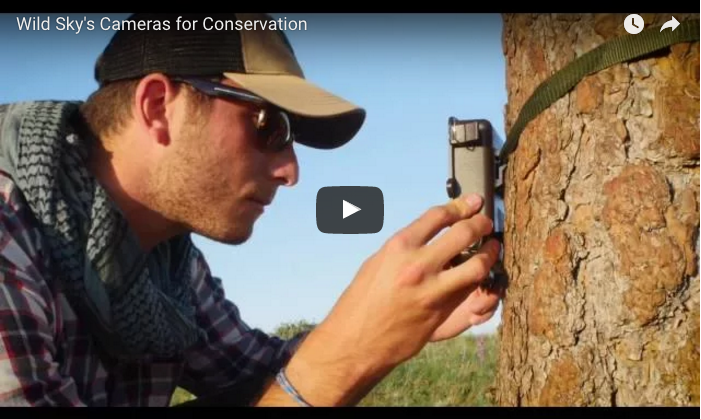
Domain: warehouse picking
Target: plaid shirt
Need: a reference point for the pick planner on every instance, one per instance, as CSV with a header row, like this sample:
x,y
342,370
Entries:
x,y
47,358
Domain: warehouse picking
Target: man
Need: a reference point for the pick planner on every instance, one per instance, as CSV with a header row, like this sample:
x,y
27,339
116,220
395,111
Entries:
x,y
104,299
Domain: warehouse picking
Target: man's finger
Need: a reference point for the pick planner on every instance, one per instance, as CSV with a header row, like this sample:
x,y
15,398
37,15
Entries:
x,y
471,272
460,236
477,320
483,302
423,229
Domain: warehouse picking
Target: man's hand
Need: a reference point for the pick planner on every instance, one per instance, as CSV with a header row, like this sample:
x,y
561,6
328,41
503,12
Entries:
x,y
476,309
404,296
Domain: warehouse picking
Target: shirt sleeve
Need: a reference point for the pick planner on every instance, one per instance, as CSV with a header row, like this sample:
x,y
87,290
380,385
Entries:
x,y
29,375
233,351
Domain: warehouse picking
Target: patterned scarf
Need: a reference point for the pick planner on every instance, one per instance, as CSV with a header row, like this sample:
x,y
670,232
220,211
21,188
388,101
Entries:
x,y
135,303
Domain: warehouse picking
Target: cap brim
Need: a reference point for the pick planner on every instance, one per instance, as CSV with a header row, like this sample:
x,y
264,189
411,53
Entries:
x,y
324,120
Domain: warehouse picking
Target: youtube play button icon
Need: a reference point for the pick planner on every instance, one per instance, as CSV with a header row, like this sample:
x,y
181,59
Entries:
x,y
350,210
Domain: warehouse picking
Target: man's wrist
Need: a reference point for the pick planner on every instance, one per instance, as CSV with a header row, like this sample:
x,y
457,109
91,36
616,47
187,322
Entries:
x,y
324,376
284,383
274,396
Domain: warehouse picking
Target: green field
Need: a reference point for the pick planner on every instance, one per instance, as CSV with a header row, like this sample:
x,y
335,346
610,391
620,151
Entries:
x,y
457,372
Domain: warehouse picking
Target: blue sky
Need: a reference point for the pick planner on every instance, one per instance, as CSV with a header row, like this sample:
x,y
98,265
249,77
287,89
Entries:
x,y
410,71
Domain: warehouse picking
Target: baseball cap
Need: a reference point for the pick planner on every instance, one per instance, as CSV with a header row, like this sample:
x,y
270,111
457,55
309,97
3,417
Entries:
x,y
260,60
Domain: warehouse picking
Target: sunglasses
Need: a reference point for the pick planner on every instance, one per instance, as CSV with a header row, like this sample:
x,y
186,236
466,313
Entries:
x,y
272,123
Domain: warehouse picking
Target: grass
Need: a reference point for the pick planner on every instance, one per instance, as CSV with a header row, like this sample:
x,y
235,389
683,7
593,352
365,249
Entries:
x,y
457,372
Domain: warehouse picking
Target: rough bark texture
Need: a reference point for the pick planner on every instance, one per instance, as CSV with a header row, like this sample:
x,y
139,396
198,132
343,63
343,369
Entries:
x,y
601,236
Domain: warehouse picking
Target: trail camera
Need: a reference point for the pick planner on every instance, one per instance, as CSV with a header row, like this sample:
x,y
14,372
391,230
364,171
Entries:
x,y
474,168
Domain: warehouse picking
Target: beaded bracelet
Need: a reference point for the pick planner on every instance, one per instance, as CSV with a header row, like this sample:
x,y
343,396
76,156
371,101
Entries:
x,y
289,389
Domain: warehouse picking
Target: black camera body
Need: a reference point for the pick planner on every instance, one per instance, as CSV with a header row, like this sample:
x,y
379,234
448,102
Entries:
x,y
474,167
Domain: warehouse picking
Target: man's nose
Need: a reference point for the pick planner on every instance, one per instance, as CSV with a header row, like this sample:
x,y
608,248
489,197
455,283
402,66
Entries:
x,y
286,167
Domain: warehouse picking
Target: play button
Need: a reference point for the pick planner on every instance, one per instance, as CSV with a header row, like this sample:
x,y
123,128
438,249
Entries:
x,y
349,210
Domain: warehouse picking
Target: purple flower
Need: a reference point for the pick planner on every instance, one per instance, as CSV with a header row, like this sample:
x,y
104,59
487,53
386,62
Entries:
x,y
481,348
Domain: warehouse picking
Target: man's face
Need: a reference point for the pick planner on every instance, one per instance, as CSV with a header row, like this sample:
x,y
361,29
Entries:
x,y
215,179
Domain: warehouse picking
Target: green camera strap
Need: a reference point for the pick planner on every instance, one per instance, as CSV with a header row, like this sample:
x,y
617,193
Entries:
x,y
614,51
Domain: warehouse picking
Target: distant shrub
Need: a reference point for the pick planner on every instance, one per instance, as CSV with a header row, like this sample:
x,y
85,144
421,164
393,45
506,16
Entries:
x,y
289,330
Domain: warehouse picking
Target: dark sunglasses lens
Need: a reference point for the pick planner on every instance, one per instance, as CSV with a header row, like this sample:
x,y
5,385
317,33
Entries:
x,y
276,131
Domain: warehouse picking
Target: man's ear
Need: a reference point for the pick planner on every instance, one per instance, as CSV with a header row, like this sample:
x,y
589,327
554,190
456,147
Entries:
x,y
154,102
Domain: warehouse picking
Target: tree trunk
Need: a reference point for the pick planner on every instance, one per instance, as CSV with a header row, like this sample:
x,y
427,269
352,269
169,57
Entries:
x,y
602,218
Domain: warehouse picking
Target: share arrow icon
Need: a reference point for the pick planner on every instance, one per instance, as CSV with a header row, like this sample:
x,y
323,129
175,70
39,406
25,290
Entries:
x,y
672,23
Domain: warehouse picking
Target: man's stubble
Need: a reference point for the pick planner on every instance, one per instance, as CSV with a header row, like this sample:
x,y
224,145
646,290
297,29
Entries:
x,y
188,190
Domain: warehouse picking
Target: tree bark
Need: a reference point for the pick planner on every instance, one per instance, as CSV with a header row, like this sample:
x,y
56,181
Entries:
x,y
601,241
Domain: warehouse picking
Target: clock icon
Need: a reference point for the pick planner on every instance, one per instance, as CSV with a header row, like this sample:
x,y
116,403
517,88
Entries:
x,y
633,24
